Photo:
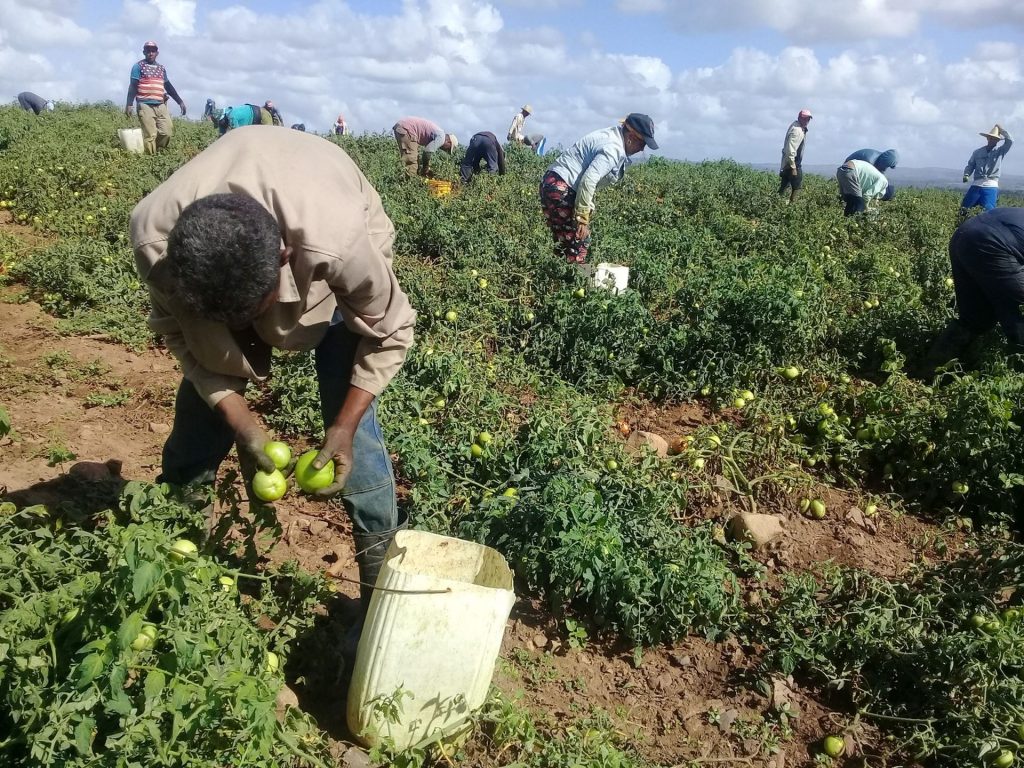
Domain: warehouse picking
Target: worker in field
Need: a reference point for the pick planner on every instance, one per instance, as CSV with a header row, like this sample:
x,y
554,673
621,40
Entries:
x,y
570,183
483,148
882,161
275,240
340,126
537,142
211,113
32,102
148,90
987,257
791,174
861,184
516,131
275,116
414,133
245,114
984,166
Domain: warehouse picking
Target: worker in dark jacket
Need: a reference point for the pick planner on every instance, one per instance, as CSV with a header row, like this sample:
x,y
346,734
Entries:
x,y
32,102
987,254
882,161
482,147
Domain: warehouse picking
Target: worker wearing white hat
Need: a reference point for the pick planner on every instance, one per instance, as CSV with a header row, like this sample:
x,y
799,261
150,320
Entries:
x,y
984,164
515,131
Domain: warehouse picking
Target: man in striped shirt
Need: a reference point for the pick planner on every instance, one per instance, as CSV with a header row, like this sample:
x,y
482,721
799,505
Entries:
x,y
148,89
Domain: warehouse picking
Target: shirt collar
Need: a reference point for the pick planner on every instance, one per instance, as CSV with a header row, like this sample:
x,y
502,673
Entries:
x,y
287,290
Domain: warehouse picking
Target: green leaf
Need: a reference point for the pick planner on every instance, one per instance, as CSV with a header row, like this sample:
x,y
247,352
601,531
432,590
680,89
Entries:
x,y
83,736
5,422
129,630
154,685
91,666
144,579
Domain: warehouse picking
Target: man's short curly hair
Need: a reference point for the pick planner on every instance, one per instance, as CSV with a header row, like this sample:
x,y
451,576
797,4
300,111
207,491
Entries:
x,y
224,254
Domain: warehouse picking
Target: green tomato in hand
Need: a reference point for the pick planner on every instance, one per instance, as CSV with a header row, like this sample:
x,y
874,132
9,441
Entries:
x,y
310,479
269,486
279,453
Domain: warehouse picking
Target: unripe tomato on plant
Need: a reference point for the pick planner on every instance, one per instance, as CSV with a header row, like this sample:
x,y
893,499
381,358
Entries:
x,y
182,549
1003,759
833,745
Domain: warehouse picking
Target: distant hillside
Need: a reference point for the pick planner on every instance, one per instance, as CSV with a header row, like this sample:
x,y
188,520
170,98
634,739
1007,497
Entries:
x,y
941,178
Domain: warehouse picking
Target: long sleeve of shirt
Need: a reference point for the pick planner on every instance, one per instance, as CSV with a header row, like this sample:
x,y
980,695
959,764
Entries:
x,y
341,242
515,130
794,136
600,166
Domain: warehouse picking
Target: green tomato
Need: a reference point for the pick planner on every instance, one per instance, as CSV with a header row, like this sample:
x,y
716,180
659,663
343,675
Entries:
x,y
146,638
579,293
747,395
510,492
739,402
699,462
611,465
959,488
1004,759
817,509
271,662
440,402
530,317
279,453
991,627
226,584
871,510
978,621
790,372
310,479
484,438
476,451
833,746
269,486
451,315
1010,615
183,549
482,282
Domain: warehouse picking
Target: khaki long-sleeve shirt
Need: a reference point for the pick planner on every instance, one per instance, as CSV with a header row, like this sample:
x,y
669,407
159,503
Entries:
x,y
341,238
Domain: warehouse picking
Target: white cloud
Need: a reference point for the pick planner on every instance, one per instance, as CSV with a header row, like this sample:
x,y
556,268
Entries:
x,y
821,20
462,64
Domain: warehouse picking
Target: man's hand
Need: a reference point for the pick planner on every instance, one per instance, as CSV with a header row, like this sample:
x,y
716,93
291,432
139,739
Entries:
x,y
128,110
181,104
337,448
966,177
582,231
249,437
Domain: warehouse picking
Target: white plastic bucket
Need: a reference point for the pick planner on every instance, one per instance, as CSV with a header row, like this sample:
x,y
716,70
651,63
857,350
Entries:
x,y
432,636
131,139
613,277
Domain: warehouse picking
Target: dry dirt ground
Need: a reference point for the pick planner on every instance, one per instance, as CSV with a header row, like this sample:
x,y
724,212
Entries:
x,y
689,704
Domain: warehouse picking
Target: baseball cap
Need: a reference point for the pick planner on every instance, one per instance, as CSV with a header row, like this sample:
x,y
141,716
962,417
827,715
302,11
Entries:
x,y
643,126
804,113
150,44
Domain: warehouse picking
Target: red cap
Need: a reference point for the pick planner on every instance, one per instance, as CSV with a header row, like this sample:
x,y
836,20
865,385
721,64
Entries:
x,y
150,44
804,113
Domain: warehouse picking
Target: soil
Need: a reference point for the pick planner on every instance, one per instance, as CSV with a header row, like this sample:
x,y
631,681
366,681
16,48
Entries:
x,y
691,703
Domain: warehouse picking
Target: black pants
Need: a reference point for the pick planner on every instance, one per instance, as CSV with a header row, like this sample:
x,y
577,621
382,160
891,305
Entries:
x,y
791,179
988,279
479,150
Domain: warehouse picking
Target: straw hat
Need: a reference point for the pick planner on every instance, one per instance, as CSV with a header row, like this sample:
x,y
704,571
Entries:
x,y
527,109
995,133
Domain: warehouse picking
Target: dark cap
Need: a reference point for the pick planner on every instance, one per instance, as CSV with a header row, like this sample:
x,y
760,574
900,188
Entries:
x,y
644,126
150,45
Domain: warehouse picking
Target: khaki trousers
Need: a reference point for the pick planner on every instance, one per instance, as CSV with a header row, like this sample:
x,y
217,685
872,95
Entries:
x,y
156,126
409,149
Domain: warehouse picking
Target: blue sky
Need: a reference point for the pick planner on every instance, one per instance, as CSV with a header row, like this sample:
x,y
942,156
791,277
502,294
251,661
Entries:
x,y
720,79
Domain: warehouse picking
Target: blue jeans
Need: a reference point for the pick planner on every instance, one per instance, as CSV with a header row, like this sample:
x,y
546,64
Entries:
x,y
200,439
986,197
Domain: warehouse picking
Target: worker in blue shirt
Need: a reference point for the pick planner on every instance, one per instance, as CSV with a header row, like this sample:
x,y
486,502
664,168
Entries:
x,y
882,161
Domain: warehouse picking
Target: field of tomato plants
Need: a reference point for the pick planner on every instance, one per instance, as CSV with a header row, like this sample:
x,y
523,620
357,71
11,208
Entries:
x,y
776,349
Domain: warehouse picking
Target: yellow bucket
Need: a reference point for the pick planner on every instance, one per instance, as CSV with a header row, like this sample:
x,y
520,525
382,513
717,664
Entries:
x,y
439,187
